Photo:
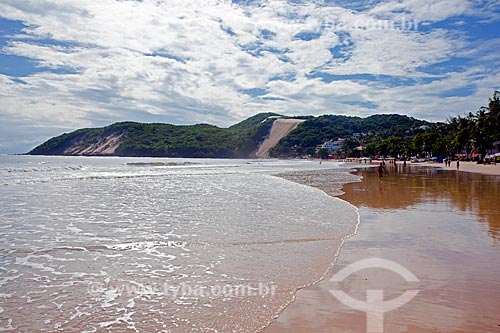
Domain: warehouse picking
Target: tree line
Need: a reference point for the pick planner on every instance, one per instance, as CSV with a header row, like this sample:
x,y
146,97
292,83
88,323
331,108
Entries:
x,y
477,132
396,135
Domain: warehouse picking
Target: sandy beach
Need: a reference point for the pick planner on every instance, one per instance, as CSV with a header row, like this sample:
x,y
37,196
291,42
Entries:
x,y
469,167
443,226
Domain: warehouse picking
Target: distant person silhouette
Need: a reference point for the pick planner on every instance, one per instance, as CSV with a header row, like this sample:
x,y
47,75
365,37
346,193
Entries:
x,y
380,172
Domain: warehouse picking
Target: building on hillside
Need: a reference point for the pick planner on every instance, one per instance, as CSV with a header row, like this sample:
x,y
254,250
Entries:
x,y
332,145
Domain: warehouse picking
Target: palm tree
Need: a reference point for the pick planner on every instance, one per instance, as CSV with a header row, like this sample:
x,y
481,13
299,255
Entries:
x,y
494,107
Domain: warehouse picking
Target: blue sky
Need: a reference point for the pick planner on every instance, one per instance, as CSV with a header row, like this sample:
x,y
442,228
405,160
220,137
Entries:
x,y
68,64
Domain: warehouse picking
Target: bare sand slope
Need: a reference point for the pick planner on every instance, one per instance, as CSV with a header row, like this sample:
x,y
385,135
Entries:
x,y
106,146
280,129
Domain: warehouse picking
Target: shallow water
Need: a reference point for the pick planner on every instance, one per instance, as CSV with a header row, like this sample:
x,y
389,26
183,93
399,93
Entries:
x,y
130,244
443,226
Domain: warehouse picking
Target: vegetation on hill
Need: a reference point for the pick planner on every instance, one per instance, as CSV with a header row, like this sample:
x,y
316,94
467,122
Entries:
x,y
396,135
202,140
385,135
476,132
304,139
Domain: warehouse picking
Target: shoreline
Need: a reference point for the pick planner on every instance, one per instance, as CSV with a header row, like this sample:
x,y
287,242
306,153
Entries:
x,y
472,167
316,310
231,218
467,167
334,191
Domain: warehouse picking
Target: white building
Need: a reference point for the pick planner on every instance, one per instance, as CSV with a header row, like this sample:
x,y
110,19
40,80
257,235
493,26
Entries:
x,y
332,145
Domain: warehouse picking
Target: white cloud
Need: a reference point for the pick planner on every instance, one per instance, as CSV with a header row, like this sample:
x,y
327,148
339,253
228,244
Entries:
x,y
395,53
197,61
424,10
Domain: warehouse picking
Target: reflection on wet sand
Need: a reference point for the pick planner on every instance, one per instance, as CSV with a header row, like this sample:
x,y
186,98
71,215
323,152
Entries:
x,y
404,188
441,225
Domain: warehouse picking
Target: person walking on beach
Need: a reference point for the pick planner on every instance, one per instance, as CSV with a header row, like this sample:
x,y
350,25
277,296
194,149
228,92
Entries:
x,y
380,172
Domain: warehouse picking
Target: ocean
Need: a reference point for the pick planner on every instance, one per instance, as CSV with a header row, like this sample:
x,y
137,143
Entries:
x,y
90,244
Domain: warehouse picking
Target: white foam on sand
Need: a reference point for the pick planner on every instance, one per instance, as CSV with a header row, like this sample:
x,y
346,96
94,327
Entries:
x,y
146,245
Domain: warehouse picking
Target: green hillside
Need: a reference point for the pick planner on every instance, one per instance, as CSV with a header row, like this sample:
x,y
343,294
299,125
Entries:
x,y
385,135
138,139
304,139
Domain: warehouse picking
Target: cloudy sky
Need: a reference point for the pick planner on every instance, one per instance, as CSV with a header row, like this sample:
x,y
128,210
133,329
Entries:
x,y
67,64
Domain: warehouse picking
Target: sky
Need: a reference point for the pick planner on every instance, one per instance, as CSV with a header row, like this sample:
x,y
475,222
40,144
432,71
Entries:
x,y
68,64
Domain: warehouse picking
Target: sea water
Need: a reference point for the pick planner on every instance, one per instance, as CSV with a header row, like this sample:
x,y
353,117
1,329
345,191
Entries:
x,y
92,244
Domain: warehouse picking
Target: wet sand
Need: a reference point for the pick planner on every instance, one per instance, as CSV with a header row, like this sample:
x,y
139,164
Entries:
x,y
444,226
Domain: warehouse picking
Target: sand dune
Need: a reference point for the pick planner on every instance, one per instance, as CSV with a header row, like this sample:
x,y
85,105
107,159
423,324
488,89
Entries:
x,y
105,146
280,129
